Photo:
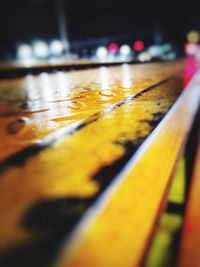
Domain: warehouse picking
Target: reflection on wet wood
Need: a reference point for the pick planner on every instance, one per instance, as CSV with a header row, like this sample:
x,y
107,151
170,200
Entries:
x,y
66,136
118,231
48,102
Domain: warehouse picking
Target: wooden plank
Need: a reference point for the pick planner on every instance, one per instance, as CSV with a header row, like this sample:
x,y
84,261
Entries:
x,y
122,134
35,106
47,187
190,241
116,231
162,251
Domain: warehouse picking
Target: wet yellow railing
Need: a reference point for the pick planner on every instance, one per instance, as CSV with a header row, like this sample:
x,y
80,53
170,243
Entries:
x,y
66,138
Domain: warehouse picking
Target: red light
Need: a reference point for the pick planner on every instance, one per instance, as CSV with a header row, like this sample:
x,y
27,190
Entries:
x,y
138,46
113,48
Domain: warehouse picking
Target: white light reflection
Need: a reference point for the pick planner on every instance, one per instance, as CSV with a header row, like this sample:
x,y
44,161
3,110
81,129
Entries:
x,y
31,88
62,85
45,86
27,62
104,78
126,76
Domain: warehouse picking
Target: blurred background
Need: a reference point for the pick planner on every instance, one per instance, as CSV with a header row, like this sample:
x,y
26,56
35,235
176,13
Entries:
x,y
105,30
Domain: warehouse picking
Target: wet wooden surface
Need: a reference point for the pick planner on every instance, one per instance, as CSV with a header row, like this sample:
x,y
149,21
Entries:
x,y
65,137
35,106
118,232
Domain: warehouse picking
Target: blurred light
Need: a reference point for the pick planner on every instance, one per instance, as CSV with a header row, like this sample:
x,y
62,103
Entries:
x,y
169,56
193,36
166,48
56,47
40,49
113,48
126,76
45,84
198,55
104,78
155,50
31,88
27,62
62,84
138,46
125,50
101,52
191,49
24,51
45,80
190,70
144,56
158,38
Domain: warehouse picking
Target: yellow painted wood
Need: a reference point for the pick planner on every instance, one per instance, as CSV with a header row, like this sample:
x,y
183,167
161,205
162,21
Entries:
x,y
161,251
35,106
67,168
109,110
117,232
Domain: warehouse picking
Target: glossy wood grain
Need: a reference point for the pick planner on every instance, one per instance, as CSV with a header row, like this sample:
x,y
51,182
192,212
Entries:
x,y
66,137
116,232
35,106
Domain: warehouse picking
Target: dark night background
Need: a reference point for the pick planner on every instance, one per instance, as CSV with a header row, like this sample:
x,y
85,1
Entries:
x,y
20,21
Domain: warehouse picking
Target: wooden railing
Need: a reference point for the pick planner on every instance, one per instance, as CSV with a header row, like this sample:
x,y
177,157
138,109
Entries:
x,y
87,162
